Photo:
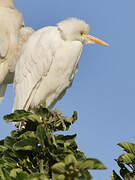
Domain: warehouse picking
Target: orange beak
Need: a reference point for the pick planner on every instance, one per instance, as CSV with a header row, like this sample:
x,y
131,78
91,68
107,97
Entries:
x,y
95,40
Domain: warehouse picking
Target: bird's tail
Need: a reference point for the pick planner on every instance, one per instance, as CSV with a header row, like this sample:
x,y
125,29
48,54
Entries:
x,y
2,91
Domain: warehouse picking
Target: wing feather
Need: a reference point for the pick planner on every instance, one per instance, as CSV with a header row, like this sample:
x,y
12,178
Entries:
x,y
60,76
31,67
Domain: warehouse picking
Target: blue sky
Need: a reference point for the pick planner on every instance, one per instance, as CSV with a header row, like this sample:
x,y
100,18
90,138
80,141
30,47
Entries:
x,y
103,91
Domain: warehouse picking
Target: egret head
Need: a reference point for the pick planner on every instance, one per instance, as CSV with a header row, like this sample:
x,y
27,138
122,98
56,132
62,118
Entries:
x,y
7,3
74,29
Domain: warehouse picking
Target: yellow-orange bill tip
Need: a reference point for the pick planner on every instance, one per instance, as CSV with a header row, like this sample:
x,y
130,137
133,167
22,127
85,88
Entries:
x,y
96,40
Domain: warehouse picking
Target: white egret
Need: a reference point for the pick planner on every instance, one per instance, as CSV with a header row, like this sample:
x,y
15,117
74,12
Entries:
x,y
49,62
13,34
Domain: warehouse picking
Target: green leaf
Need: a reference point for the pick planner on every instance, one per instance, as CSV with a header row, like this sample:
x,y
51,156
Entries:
x,y
35,118
58,168
65,140
128,147
22,176
128,158
9,153
43,112
74,117
60,177
68,140
83,175
4,174
70,160
13,172
37,176
125,173
2,148
41,135
80,155
17,116
91,164
26,144
9,142
9,161
27,134
2,142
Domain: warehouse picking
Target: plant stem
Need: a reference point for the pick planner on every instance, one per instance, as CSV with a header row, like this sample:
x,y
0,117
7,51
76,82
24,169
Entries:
x,y
41,166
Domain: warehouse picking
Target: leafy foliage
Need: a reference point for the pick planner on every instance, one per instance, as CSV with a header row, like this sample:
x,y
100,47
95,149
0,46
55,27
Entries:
x,y
126,162
36,152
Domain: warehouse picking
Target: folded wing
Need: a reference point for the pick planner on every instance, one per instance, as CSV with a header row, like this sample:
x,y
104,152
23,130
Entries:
x,y
34,63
